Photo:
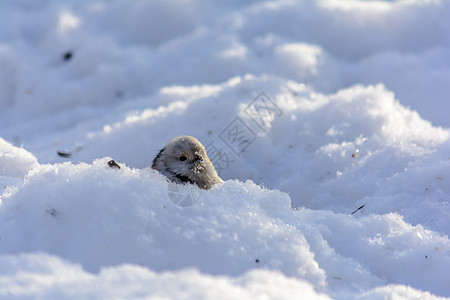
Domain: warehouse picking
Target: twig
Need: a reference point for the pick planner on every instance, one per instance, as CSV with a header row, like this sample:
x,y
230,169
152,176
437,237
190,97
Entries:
x,y
358,209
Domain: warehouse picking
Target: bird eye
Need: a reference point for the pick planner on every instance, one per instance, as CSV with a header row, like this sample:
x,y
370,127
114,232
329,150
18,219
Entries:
x,y
183,157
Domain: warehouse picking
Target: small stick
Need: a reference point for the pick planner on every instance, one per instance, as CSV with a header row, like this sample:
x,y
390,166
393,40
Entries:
x,y
358,209
64,154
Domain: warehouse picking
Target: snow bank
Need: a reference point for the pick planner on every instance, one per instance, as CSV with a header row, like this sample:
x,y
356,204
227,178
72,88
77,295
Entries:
x,y
97,216
44,276
328,44
398,292
337,151
341,190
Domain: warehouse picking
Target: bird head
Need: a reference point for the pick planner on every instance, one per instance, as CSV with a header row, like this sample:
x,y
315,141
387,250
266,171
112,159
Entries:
x,y
184,159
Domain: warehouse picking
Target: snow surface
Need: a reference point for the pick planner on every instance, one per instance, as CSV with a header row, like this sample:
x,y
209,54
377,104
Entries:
x,y
342,191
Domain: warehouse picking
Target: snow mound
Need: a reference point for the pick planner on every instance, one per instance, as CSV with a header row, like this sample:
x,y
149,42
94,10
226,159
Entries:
x,y
321,117
338,151
98,216
80,211
48,277
398,292
14,161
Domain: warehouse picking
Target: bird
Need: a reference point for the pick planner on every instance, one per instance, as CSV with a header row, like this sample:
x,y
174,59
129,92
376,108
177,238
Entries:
x,y
184,160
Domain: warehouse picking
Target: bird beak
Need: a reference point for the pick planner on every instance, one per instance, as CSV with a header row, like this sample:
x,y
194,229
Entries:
x,y
198,158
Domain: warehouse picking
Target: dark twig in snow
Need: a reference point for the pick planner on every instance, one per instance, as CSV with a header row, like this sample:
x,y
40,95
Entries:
x,y
358,209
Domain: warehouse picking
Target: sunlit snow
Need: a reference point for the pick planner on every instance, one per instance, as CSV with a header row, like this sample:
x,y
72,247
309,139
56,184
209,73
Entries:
x,y
328,121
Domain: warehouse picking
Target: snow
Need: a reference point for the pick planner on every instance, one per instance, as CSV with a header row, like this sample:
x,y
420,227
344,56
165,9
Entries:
x,y
341,191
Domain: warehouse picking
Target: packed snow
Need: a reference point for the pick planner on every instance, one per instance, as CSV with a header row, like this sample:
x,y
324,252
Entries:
x,y
328,121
